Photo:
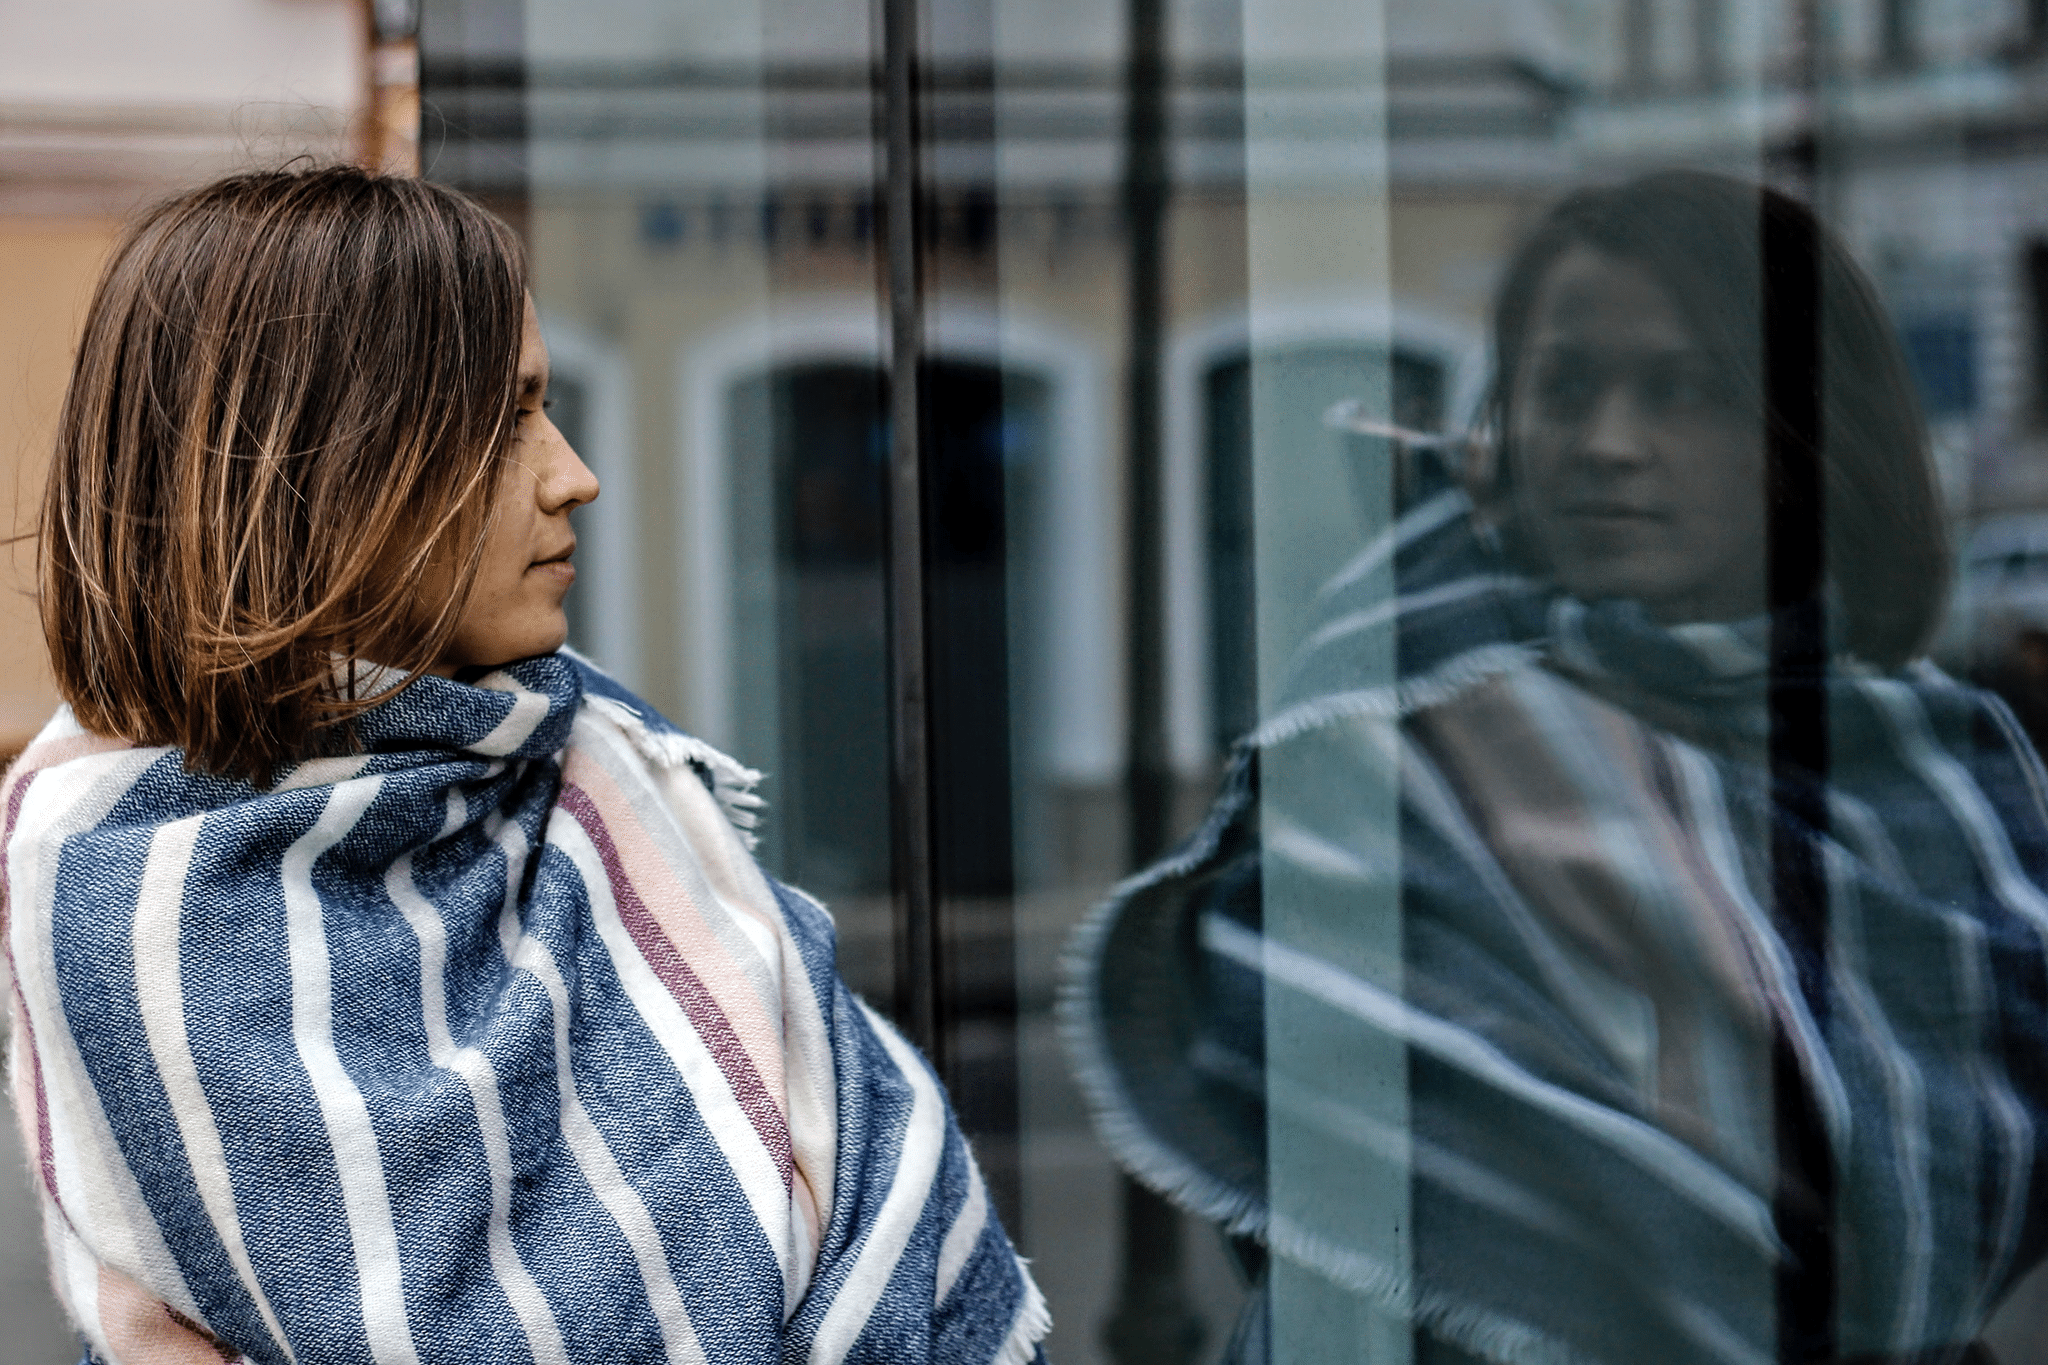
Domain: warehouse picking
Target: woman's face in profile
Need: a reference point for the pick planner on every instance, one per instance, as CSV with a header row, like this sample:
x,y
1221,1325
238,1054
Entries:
x,y
1636,472
515,609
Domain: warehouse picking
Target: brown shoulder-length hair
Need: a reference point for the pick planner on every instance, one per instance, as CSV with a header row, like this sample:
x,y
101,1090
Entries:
x,y
286,409
1701,236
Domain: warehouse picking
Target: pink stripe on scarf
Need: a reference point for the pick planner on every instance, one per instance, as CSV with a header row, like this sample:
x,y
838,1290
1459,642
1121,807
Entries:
x,y
689,991
144,1331
46,1160
679,907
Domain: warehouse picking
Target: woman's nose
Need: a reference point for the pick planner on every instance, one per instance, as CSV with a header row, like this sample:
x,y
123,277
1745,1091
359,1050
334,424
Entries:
x,y
1616,431
569,482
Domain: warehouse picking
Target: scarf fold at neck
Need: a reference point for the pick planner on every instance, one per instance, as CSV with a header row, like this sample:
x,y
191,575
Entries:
x,y
1434,606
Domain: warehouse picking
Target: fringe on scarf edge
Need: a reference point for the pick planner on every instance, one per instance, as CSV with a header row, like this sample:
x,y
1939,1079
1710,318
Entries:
x,y
1396,700
1480,1331
732,782
1154,1164
1029,1327
1243,1213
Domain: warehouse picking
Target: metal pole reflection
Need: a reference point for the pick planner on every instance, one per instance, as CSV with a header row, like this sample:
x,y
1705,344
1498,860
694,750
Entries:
x,y
1152,1323
918,990
1803,1209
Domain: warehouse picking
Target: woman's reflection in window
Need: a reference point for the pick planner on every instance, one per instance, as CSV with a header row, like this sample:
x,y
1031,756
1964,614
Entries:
x,y
1566,783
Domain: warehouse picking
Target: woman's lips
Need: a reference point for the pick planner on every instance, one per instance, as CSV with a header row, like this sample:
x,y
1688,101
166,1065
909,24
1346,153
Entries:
x,y
558,566
1613,514
1604,530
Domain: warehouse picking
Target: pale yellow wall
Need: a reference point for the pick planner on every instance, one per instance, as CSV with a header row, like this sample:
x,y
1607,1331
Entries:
x,y
1448,249
47,270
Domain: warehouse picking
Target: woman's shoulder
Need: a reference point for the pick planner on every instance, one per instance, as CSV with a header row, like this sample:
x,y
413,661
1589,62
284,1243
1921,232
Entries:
x,y
61,741
70,779
1921,700
1423,611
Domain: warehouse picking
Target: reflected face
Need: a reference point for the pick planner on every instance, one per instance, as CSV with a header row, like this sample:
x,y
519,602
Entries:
x,y
1639,472
515,611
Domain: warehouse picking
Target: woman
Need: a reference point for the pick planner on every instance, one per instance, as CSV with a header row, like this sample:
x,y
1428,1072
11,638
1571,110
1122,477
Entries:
x,y
1620,945
389,985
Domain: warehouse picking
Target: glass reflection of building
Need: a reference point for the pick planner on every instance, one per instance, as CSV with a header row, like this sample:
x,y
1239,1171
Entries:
x,y
700,189
714,184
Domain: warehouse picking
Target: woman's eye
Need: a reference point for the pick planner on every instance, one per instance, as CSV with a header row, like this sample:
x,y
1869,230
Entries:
x,y
1682,389
1567,389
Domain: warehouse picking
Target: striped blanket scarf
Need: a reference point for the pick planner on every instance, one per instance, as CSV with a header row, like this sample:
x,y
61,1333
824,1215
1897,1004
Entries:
x,y
488,1043
1463,1001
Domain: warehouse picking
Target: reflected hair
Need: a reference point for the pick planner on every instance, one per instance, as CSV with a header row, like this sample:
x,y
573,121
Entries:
x,y
286,408
1701,237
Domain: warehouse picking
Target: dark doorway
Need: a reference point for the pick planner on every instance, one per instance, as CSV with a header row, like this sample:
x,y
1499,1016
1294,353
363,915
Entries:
x,y
809,448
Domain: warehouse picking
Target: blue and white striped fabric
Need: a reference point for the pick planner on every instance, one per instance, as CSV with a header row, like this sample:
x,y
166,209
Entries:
x,y
1502,864
489,1043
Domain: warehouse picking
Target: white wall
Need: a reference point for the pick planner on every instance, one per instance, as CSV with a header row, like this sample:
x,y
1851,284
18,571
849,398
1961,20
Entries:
x,y
204,52
107,103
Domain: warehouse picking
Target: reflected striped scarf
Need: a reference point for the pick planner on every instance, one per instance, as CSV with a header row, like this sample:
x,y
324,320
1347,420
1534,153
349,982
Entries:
x,y
491,1042
1463,1000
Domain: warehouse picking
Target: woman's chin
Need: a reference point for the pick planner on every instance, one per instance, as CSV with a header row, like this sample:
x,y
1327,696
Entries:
x,y
509,648
1610,580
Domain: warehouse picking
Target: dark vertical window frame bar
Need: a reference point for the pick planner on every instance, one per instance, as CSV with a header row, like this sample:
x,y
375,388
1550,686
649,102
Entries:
x,y
474,128
1145,191
1803,1204
968,510
1803,1208
914,872
2034,283
1152,1323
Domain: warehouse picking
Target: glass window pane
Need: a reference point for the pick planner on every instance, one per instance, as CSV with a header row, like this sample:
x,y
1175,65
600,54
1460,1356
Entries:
x,y
1519,522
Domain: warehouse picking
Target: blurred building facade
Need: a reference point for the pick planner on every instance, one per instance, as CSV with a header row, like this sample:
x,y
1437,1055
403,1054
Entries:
x,y
106,105
702,193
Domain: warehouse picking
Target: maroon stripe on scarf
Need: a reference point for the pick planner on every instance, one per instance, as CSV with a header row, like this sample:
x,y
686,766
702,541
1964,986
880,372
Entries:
x,y
689,992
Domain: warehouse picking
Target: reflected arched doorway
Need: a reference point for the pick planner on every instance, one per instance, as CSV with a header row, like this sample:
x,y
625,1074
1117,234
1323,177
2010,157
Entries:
x,y
808,449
